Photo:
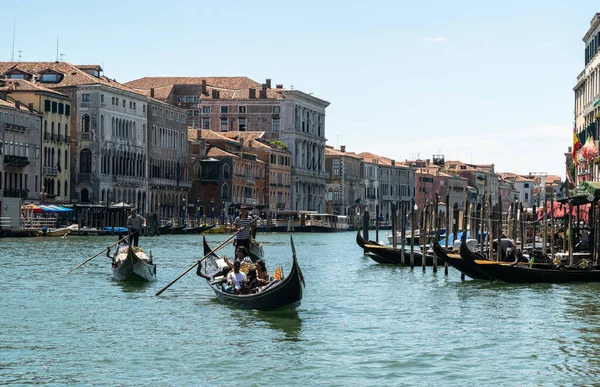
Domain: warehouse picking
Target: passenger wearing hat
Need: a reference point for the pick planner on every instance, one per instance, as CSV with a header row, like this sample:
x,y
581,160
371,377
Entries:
x,y
240,224
135,225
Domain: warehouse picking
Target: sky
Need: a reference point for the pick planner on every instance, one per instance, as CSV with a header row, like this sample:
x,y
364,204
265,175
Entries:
x,y
477,81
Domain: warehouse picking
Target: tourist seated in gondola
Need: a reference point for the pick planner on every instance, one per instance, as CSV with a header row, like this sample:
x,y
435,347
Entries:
x,y
235,278
251,283
242,255
261,272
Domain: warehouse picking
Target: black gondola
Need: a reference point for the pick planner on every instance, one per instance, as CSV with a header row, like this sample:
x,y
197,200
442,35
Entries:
x,y
456,262
178,229
506,272
206,227
165,229
275,295
389,255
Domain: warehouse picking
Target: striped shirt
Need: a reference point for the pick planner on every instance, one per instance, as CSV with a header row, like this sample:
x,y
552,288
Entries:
x,y
239,223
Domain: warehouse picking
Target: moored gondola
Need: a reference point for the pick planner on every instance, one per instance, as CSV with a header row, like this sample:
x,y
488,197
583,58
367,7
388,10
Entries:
x,y
456,262
285,292
132,264
545,273
390,255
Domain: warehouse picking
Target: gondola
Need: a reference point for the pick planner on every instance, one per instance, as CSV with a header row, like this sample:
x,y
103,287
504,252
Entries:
x,y
256,250
178,229
165,229
524,274
456,262
130,264
286,292
390,255
206,227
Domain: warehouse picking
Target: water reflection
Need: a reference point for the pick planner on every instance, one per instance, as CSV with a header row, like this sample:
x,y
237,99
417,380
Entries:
x,y
286,320
133,285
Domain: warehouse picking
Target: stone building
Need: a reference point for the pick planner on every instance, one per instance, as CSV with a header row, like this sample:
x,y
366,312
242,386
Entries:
x,y
587,95
20,136
225,104
56,110
108,127
277,159
386,182
168,180
345,186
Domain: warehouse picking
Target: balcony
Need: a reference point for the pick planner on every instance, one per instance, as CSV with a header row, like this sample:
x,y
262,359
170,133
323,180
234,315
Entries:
x,y
15,161
16,193
85,136
68,139
250,181
18,128
280,206
84,177
61,138
46,136
53,137
50,171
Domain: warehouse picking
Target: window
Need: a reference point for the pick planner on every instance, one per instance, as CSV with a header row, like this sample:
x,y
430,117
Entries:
x,y
67,110
224,109
223,124
196,113
124,103
276,109
242,109
134,107
276,124
85,161
526,185
189,98
196,99
242,125
85,124
526,196
54,107
49,78
205,109
116,101
130,104
144,108
61,108
86,98
47,105
190,113
102,98
206,123
112,101
336,167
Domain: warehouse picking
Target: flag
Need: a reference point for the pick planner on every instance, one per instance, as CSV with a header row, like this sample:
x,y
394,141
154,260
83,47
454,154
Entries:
x,y
576,147
570,179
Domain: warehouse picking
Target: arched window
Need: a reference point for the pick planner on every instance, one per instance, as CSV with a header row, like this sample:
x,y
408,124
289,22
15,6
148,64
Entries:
x,y
112,126
58,188
58,129
198,171
226,172
85,123
330,194
66,189
85,161
225,192
85,195
45,126
52,130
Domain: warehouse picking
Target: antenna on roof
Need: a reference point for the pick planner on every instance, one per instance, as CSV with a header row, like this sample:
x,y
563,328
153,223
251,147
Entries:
x,y
12,58
20,55
61,56
57,49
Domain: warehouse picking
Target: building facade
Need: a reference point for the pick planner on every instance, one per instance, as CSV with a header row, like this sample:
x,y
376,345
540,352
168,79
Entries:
x,y
55,108
20,138
345,187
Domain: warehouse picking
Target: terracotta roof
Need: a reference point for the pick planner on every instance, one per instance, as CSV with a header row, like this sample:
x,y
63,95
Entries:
x,y
12,104
330,151
211,135
250,139
72,75
15,85
371,158
232,83
216,152
89,67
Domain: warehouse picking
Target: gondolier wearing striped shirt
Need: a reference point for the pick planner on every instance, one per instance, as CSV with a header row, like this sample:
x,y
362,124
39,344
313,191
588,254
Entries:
x,y
135,224
243,220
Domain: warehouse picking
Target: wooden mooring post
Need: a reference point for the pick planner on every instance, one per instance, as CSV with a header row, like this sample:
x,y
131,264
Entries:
x,y
366,226
448,229
403,232
412,235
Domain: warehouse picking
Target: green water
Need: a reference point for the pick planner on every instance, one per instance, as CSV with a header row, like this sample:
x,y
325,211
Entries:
x,y
360,323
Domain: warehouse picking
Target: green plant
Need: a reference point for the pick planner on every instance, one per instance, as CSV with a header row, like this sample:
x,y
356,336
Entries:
x,y
279,144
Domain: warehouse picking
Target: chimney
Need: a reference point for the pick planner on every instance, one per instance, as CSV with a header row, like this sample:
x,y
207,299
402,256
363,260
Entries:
x,y
204,86
152,92
268,83
31,106
343,148
427,162
279,86
17,104
252,93
393,163
263,92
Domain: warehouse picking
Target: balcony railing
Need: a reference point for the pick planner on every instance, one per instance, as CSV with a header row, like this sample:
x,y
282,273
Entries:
x,y
84,176
61,138
280,206
85,136
18,128
46,136
250,180
68,139
53,137
16,193
50,171
15,161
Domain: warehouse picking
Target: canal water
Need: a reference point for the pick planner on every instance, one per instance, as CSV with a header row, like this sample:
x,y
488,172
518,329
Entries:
x,y
360,323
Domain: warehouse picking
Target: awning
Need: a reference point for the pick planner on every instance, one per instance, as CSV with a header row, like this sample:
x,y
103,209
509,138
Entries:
x,y
54,208
597,102
33,208
586,192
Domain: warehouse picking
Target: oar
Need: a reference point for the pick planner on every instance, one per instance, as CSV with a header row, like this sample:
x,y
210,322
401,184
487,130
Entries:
x,y
94,256
200,260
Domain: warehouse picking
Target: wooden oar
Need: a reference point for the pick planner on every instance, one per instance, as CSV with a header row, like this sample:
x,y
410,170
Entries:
x,y
200,260
94,256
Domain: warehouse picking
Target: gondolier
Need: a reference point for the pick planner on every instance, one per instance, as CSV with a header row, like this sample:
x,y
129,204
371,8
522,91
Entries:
x,y
240,223
135,224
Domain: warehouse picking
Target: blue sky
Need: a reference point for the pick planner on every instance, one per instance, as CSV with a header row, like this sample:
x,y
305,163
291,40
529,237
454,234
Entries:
x,y
478,81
